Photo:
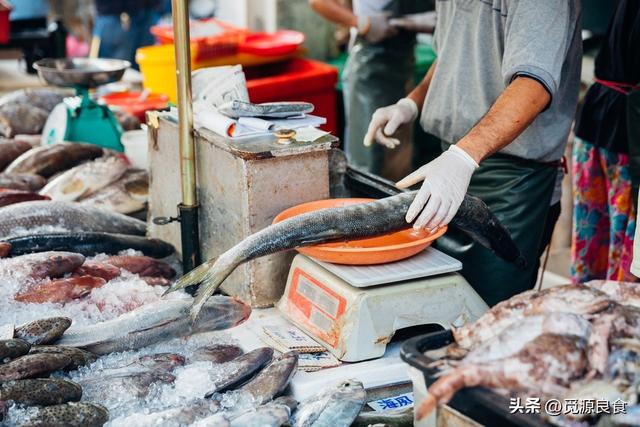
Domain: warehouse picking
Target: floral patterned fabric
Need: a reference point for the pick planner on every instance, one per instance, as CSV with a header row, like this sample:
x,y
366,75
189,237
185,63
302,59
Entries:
x,y
604,219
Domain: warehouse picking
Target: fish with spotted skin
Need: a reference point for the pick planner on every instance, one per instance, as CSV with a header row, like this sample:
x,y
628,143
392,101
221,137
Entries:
x,y
40,391
78,356
72,414
344,223
43,331
12,348
336,406
32,365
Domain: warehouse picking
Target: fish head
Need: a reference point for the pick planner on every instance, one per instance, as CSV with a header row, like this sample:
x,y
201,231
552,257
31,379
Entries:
x,y
165,361
221,312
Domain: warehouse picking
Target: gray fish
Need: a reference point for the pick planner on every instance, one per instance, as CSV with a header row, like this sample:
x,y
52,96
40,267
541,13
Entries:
x,y
78,357
32,365
11,149
22,181
12,348
40,392
72,414
127,195
48,160
269,415
161,361
137,384
21,119
242,369
219,353
390,418
89,244
343,223
273,379
155,322
173,417
336,406
41,97
43,331
44,264
21,219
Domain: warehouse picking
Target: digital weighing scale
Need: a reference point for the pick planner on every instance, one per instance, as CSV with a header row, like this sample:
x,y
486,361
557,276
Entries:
x,y
354,311
81,118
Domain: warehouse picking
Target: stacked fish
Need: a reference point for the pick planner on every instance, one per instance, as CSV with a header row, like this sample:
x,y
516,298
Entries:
x,y
26,359
566,342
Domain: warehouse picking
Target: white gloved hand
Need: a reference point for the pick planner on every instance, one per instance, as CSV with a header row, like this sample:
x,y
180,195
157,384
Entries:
x,y
418,22
386,121
446,180
376,28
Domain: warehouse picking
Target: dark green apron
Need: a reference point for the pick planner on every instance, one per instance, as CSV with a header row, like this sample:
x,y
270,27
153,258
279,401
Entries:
x,y
519,193
375,76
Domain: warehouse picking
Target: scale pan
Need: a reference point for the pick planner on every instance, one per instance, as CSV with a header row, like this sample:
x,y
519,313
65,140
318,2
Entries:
x,y
81,72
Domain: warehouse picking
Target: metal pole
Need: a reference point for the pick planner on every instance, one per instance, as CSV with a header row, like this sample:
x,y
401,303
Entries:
x,y
189,207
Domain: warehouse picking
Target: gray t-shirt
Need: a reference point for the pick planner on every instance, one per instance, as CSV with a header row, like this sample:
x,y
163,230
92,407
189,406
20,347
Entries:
x,y
483,45
369,7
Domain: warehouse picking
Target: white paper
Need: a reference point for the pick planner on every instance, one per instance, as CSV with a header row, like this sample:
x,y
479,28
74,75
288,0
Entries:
x,y
215,86
214,121
256,123
309,134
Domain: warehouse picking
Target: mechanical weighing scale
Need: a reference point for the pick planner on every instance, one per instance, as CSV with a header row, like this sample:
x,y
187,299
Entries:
x,y
81,118
354,311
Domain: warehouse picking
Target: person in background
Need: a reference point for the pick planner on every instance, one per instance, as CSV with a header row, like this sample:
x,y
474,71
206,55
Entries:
x,y
606,156
122,26
502,97
378,72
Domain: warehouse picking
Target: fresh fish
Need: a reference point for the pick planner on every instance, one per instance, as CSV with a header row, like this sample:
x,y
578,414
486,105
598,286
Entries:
x,y
32,365
97,269
389,418
155,322
141,265
273,379
544,367
85,179
343,223
21,119
137,384
43,331
242,369
22,181
173,417
48,160
268,415
60,290
72,414
21,219
40,392
89,244
12,348
336,406
127,195
11,149
44,264
45,98
219,353
10,197
160,362
78,357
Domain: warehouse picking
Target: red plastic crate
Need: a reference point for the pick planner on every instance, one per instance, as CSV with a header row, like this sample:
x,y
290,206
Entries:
x,y
5,24
297,80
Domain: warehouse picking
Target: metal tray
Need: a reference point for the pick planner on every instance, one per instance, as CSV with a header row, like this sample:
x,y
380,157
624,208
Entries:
x,y
478,403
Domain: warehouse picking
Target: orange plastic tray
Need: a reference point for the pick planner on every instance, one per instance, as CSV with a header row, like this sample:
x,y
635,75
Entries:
x,y
375,250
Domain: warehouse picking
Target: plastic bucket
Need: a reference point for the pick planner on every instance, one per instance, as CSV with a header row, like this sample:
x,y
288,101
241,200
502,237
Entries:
x,y
136,147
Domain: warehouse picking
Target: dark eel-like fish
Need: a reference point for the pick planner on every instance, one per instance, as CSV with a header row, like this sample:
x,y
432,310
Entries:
x,y
344,223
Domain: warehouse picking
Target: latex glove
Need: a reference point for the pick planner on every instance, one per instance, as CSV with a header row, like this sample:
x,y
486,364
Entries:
x,y
446,180
418,22
376,28
387,120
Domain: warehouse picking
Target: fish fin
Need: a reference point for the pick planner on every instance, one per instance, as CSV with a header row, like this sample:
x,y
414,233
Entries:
x,y
213,278
193,277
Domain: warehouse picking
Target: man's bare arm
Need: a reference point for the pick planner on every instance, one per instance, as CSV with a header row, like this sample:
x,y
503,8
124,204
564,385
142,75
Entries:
x,y
419,94
514,110
334,12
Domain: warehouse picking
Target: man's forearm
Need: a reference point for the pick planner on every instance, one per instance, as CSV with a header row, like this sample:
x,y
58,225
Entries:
x,y
514,110
334,12
419,94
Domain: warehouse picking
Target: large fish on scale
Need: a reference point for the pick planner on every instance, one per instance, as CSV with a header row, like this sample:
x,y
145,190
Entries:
x,y
21,219
127,195
85,179
344,223
155,322
48,160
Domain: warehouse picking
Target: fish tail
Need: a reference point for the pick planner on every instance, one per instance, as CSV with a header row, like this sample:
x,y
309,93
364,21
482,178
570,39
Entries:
x,y
211,282
193,277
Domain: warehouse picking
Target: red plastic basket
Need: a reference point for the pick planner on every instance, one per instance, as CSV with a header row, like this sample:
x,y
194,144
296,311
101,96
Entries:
x,y
5,24
210,38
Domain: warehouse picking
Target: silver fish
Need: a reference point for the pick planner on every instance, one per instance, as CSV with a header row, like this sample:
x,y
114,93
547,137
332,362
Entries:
x,y
343,223
269,415
40,392
273,379
22,218
155,322
72,414
390,418
86,179
242,369
173,417
336,406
